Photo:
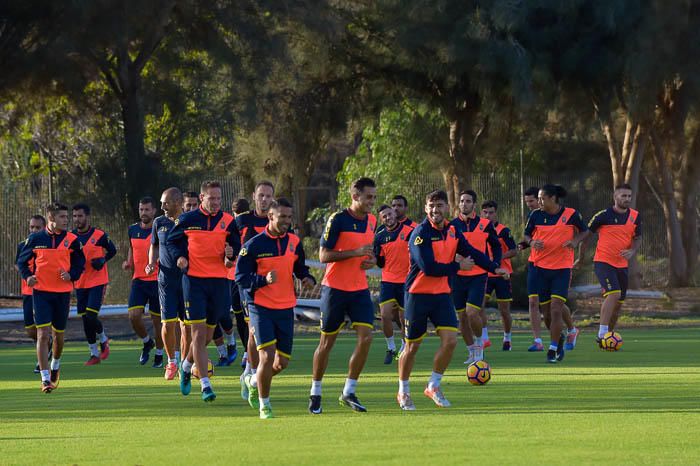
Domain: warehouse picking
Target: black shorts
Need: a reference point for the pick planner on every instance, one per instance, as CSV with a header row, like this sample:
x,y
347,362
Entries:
x,y
51,309
336,304
90,299
28,308
144,292
612,279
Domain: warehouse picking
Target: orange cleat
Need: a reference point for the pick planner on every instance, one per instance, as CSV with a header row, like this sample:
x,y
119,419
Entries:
x,y
171,371
104,350
93,361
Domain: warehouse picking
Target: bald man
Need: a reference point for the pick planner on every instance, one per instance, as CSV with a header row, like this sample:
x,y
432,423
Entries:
x,y
172,305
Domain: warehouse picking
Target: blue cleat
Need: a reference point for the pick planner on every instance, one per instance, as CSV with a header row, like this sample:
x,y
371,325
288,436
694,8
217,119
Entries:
x,y
223,362
552,357
536,347
208,395
571,339
185,382
232,353
560,348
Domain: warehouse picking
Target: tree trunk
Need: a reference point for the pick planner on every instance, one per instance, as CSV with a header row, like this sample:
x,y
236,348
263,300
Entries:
x,y
632,174
458,176
690,190
137,175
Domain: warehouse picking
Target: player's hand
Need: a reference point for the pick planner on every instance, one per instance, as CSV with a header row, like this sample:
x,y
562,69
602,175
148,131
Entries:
x,y
368,263
576,264
307,282
502,272
65,276
97,263
271,277
627,253
31,281
522,245
126,265
465,263
366,250
150,268
570,244
228,263
182,263
537,244
228,252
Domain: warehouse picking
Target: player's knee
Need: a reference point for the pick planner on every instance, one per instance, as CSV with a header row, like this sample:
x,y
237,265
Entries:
x,y
364,339
280,364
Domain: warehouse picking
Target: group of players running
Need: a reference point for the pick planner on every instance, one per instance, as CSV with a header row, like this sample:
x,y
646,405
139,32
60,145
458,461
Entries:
x,y
196,263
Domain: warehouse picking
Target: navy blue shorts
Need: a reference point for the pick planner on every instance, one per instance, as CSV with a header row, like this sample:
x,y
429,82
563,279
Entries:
x,y
51,309
468,292
206,299
272,327
502,287
612,279
172,301
421,307
531,280
553,283
236,304
90,299
389,292
142,293
336,304
28,308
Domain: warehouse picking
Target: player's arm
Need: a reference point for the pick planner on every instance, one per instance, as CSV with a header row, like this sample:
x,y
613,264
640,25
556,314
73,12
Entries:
x,y
233,240
582,230
176,244
109,246
301,270
377,248
510,244
247,276
326,254
77,260
23,258
494,244
421,250
530,230
636,241
482,260
153,249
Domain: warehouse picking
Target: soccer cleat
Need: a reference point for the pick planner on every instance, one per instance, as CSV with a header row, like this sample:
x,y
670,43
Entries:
x,y
170,371
470,359
560,348
315,404
507,346
571,339
93,361
244,388
552,356
536,347
36,369
185,382
55,377
478,353
231,354
405,401
223,362
487,343
266,412
244,360
146,351
208,395
104,350
253,400
351,402
598,342
389,356
157,361
47,386
438,398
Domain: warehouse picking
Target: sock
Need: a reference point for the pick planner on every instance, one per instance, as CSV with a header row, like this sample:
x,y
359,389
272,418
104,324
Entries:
x,y
478,341
602,330
55,364
248,368
93,350
554,345
403,387
538,340
390,345
159,352
173,360
253,370
45,377
177,355
222,351
146,339
186,365
571,330
315,388
204,382
435,380
253,380
103,337
264,401
229,340
485,333
349,387
507,336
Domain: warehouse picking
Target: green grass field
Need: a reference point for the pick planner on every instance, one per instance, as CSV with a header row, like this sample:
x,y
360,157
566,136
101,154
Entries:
x,y
637,406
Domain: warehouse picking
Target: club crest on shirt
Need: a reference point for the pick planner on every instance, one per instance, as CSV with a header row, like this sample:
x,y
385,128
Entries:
x,y
451,233
291,248
92,241
65,243
481,227
403,237
354,226
223,224
243,252
563,219
418,241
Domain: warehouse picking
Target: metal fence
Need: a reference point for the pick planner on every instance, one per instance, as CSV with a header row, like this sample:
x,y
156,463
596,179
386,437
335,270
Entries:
x,y
588,193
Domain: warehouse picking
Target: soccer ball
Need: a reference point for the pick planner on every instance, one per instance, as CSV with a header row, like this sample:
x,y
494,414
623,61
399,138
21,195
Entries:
x,y
210,370
612,341
479,373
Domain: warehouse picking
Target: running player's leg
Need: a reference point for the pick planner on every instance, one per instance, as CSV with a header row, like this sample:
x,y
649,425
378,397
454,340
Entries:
x,y
623,278
533,304
475,298
361,313
169,298
59,320
226,346
42,319
442,316
332,321
81,295
460,289
416,326
29,325
504,296
387,311
137,305
154,311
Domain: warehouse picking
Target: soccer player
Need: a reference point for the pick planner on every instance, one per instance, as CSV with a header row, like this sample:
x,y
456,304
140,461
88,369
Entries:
x,y
239,207
58,260
554,231
265,271
90,288
438,251
469,286
619,235
250,224
347,248
36,224
391,251
400,205
144,286
190,201
502,287
172,303
204,243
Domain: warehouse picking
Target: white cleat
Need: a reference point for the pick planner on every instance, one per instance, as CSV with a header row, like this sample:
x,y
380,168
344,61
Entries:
x,y
405,402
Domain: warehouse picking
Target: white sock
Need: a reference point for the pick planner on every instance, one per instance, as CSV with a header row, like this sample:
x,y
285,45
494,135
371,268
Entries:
x,y
146,339
478,341
103,337
349,387
485,333
222,350
229,340
93,349
253,380
173,360
248,368
315,388
186,365
55,364
45,377
204,382
507,336
403,387
390,345
159,352
553,347
602,330
264,401
435,380
177,355
538,340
